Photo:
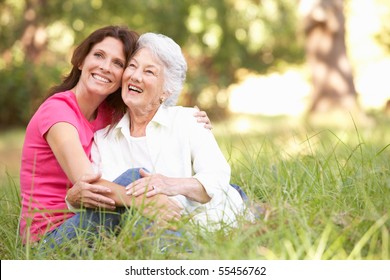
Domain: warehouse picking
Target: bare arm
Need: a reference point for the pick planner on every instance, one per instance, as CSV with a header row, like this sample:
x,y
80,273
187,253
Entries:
x,y
64,141
151,207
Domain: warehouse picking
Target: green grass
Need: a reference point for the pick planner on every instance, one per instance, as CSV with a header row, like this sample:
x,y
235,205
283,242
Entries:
x,y
325,194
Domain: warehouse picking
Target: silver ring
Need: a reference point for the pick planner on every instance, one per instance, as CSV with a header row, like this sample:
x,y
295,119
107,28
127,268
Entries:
x,y
153,187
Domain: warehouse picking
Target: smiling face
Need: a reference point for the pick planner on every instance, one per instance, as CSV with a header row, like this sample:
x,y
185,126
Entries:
x,y
143,81
102,69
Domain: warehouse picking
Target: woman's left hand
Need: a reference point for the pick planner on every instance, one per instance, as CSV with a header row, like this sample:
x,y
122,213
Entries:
x,y
202,117
151,185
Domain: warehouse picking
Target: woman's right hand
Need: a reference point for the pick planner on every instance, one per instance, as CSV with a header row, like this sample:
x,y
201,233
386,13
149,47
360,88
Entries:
x,y
85,194
159,208
64,140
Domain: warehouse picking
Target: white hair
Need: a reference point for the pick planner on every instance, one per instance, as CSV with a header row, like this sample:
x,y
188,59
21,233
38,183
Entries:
x,y
175,65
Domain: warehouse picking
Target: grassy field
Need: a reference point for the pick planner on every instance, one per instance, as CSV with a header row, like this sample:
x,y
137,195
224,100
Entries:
x,y
325,193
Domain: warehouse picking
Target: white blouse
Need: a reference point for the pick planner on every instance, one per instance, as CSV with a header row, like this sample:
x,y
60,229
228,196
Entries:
x,y
176,145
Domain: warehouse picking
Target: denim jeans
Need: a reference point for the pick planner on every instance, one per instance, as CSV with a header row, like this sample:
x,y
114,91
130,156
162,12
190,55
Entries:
x,y
94,221
241,192
89,220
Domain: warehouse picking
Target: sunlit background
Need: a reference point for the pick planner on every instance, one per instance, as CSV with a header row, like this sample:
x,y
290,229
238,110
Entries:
x,y
287,92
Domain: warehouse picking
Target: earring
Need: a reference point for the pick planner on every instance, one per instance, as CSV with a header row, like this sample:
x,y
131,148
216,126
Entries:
x,y
162,99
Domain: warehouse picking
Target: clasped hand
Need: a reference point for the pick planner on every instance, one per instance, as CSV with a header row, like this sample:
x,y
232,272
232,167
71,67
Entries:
x,y
91,192
86,194
151,185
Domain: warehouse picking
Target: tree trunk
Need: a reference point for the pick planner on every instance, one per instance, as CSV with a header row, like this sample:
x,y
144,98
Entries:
x,y
330,69
34,38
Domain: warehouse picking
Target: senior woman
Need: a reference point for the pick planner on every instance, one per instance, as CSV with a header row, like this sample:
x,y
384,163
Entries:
x,y
172,153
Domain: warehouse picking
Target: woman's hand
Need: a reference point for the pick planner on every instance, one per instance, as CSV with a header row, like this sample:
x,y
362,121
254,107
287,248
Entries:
x,y
151,185
84,194
202,117
64,140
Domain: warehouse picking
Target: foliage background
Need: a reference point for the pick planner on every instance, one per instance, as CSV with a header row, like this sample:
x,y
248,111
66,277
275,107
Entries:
x,y
218,38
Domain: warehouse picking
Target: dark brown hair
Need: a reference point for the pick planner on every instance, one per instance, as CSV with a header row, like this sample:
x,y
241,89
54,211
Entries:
x,y
127,37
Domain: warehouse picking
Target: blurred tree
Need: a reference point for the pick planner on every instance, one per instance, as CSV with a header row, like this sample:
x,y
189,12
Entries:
x,y
225,36
23,40
218,38
383,37
332,80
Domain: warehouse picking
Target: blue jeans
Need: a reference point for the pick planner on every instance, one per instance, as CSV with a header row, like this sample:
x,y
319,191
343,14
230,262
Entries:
x,y
241,192
95,221
89,220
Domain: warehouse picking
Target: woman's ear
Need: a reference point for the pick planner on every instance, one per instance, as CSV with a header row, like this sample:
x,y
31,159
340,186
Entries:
x,y
164,97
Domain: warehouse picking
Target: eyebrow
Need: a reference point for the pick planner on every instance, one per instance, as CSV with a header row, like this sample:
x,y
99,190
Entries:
x,y
101,50
157,66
